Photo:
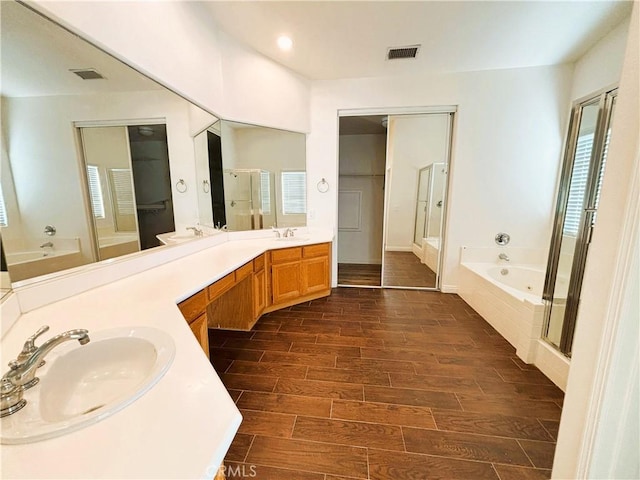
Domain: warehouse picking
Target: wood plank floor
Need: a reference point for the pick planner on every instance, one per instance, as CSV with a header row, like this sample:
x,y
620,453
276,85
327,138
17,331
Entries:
x,y
404,269
384,384
364,274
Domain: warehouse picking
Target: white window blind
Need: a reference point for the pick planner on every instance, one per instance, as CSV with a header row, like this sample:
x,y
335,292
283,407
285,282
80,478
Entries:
x,y
95,191
3,210
122,191
605,152
579,177
265,193
294,192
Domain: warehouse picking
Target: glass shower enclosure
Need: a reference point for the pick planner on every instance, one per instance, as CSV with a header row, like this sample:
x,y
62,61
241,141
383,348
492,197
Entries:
x,y
250,202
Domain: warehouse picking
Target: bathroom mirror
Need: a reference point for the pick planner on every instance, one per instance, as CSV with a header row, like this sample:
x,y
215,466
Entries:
x,y
250,177
393,172
59,94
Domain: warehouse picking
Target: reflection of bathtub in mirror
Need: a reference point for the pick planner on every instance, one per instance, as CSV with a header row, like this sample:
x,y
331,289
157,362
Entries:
x,y
118,244
430,252
33,261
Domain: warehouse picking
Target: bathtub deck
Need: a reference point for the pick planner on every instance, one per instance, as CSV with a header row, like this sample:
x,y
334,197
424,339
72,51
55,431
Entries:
x,y
384,384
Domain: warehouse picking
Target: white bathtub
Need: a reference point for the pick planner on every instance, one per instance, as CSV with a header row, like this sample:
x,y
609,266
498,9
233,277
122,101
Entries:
x,y
32,263
509,298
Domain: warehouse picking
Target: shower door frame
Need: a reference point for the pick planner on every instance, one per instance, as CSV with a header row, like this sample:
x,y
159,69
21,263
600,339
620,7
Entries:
x,y
605,99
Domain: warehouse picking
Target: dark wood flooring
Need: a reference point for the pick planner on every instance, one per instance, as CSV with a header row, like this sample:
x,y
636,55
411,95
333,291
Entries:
x,y
384,384
362,274
404,269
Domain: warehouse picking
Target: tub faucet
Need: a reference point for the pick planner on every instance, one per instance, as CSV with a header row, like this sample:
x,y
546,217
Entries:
x,y
13,382
47,244
504,256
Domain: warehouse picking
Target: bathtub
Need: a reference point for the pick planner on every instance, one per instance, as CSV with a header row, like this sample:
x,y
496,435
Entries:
x,y
509,298
32,263
118,244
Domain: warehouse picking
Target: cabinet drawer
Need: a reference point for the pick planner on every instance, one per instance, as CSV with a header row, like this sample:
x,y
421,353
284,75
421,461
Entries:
x,y
222,285
244,271
319,250
286,255
194,305
258,263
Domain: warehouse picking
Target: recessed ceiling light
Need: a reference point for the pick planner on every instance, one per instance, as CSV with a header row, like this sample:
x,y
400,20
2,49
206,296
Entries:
x,y
284,42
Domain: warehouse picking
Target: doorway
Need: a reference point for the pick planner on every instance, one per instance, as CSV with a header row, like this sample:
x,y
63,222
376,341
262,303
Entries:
x,y
393,176
128,185
576,212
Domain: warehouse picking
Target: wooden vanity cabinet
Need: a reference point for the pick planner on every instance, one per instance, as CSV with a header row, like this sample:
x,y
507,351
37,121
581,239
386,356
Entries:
x,y
300,274
259,285
194,311
273,280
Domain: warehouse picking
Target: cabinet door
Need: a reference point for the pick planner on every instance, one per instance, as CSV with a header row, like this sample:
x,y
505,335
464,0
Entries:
x,y
286,284
200,330
315,275
259,293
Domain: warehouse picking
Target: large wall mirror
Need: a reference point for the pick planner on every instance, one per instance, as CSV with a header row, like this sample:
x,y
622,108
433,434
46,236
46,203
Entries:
x,y
250,177
94,154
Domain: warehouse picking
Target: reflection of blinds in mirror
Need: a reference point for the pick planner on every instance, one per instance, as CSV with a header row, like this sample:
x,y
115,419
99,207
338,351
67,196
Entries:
x,y
3,210
265,193
579,177
122,191
294,193
95,191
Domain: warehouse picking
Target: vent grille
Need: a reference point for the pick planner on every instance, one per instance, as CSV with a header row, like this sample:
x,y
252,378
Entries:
x,y
395,53
87,74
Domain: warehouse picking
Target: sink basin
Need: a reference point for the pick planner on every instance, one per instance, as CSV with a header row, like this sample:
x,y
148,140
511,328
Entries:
x,y
82,385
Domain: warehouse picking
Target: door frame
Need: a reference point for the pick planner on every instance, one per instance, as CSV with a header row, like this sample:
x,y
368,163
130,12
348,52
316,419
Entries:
x,y
452,110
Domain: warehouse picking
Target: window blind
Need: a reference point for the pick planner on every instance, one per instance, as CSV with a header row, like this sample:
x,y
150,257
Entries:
x,y
122,191
3,210
579,178
95,191
265,193
294,192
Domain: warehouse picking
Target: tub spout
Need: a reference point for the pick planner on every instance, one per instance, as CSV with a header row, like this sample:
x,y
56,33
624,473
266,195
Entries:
x,y
504,256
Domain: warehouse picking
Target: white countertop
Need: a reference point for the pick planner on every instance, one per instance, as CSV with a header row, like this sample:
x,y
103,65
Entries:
x,y
184,425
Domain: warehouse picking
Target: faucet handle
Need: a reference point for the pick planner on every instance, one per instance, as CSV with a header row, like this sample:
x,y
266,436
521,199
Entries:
x,y
29,346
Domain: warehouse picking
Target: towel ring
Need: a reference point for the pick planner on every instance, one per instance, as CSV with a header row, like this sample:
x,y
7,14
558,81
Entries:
x,y
323,186
205,186
181,186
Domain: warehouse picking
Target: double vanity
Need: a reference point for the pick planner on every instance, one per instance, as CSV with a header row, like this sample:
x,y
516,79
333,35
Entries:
x,y
175,419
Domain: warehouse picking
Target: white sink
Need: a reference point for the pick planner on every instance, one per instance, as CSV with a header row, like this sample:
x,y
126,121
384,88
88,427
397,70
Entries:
x,y
84,384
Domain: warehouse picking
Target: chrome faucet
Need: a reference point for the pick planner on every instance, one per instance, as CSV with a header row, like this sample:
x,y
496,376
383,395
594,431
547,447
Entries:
x,y
504,256
29,349
289,232
47,244
196,231
276,231
14,381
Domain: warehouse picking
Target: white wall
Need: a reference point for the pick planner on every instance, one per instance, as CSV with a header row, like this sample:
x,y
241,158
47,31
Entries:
x,y
40,135
603,355
362,167
507,147
601,66
179,44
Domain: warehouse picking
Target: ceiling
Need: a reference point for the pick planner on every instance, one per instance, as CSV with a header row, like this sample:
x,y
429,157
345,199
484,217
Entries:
x,y
335,39
37,56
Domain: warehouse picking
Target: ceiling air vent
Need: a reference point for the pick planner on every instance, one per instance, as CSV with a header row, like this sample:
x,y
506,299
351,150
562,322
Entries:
x,y
87,74
395,53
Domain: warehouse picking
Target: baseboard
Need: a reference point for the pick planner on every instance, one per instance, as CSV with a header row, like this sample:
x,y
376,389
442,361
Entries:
x,y
449,289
